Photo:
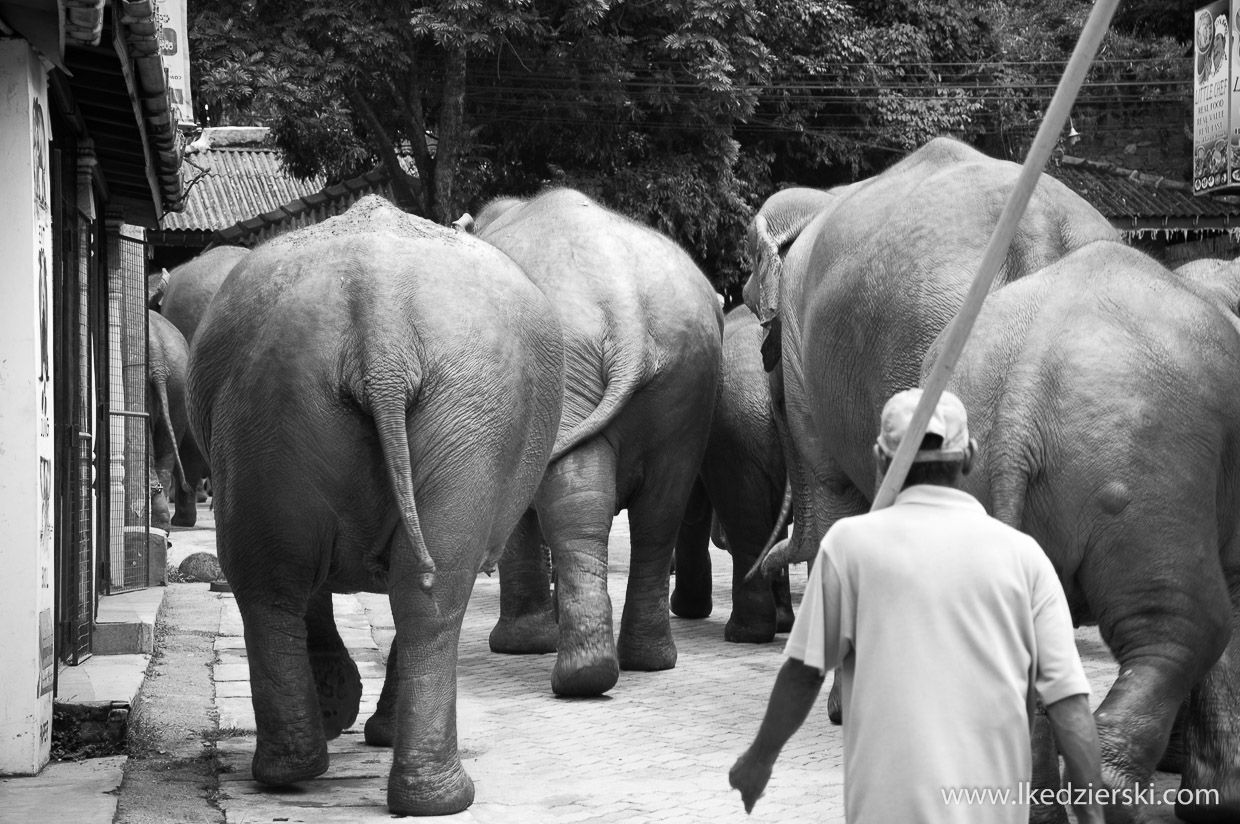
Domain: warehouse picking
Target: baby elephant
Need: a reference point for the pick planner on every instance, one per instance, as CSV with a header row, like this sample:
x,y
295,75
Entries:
x,y
378,397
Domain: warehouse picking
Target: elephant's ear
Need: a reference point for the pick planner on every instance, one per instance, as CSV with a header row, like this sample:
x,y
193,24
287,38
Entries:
x,y
762,289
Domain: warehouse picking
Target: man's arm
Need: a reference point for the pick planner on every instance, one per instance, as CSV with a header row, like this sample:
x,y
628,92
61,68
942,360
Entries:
x,y
1078,743
796,688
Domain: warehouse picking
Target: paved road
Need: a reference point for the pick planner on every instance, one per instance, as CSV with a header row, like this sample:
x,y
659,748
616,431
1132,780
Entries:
x,y
656,748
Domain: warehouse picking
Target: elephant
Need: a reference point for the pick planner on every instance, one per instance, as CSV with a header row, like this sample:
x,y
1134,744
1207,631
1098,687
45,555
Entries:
x,y
1102,393
743,481
1139,424
378,397
186,293
167,365
190,287
642,340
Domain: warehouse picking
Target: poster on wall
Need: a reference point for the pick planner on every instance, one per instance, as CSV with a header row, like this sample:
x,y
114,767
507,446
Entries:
x,y
174,48
1212,66
40,153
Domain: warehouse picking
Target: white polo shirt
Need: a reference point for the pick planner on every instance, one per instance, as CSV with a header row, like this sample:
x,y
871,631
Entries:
x,y
941,619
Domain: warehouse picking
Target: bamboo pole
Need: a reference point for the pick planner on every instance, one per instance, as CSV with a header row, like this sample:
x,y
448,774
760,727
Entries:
x,y
960,327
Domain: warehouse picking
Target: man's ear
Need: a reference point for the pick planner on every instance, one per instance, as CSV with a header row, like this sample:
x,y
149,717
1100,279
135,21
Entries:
x,y
882,460
969,452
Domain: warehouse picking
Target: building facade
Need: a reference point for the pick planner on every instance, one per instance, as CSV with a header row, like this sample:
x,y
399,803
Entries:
x,y
90,161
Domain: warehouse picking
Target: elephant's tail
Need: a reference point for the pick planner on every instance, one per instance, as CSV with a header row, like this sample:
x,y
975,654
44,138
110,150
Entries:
x,y
785,509
388,407
623,379
165,417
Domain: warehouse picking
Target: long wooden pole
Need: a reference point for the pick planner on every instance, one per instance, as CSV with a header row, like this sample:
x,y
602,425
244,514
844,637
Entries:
x,y
996,250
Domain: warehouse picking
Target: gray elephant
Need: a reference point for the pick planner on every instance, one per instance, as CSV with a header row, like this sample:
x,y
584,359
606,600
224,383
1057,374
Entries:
x,y
183,300
1105,399
378,397
642,334
190,287
742,481
167,365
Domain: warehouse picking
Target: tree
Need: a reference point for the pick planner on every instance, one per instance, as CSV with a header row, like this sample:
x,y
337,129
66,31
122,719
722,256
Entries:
x,y
683,114
634,102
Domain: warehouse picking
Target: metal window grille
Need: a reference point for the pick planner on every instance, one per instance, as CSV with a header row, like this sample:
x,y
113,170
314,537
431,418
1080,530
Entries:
x,y
72,266
129,520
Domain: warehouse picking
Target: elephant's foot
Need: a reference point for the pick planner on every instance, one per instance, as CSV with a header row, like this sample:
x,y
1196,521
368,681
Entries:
x,y
380,729
588,670
1123,784
739,631
525,634
185,516
430,789
835,704
647,652
1210,781
339,687
278,769
1044,777
692,605
784,616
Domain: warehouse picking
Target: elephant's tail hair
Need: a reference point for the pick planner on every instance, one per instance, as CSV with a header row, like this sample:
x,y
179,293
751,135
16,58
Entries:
x,y
388,409
165,416
623,379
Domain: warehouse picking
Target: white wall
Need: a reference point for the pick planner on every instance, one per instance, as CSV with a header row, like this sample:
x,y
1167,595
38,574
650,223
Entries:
x,y
27,659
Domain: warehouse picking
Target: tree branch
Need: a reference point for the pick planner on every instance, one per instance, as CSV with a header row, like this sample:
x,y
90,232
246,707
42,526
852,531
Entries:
x,y
408,189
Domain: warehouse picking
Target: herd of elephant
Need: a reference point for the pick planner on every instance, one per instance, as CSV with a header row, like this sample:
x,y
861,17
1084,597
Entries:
x,y
386,404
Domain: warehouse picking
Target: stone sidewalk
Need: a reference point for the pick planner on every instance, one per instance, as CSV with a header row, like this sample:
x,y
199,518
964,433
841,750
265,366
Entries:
x,y
656,748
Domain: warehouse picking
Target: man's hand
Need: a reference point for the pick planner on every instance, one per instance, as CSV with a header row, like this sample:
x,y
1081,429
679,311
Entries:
x,y
792,697
749,775
1077,737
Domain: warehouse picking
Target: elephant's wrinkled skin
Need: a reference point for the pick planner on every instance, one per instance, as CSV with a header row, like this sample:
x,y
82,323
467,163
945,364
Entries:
x,y
378,397
742,480
642,341
186,296
1089,443
166,366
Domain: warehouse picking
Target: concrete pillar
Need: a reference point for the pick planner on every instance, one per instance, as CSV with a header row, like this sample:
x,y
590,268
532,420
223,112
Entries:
x,y
26,393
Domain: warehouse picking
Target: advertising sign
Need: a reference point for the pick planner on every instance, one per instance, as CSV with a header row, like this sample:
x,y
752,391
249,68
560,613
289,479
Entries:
x,y
174,48
1212,97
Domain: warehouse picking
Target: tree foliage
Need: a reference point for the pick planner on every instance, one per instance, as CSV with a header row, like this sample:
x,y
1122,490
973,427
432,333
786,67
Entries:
x,y
684,114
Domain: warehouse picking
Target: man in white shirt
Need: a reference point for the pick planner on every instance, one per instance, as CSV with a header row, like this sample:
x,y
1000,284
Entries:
x,y
943,623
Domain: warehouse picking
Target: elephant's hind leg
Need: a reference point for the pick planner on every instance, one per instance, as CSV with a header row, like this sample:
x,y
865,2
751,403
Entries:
x,y
576,504
291,744
691,596
380,730
261,560
526,613
655,514
337,681
1212,736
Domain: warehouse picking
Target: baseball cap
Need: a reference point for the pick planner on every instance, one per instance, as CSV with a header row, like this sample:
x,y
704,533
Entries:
x,y
949,421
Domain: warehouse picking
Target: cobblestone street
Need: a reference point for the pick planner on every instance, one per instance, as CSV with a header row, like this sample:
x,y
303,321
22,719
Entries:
x,y
656,748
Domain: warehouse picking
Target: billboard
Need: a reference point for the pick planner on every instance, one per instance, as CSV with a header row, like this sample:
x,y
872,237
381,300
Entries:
x,y
1216,106
174,48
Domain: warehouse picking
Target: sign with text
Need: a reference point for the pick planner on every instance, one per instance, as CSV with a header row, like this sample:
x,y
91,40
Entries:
x,y
1216,98
174,48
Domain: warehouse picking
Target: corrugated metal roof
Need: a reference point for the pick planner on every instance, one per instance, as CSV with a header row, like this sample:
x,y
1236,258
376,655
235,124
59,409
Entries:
x,y
1131,199
231,184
